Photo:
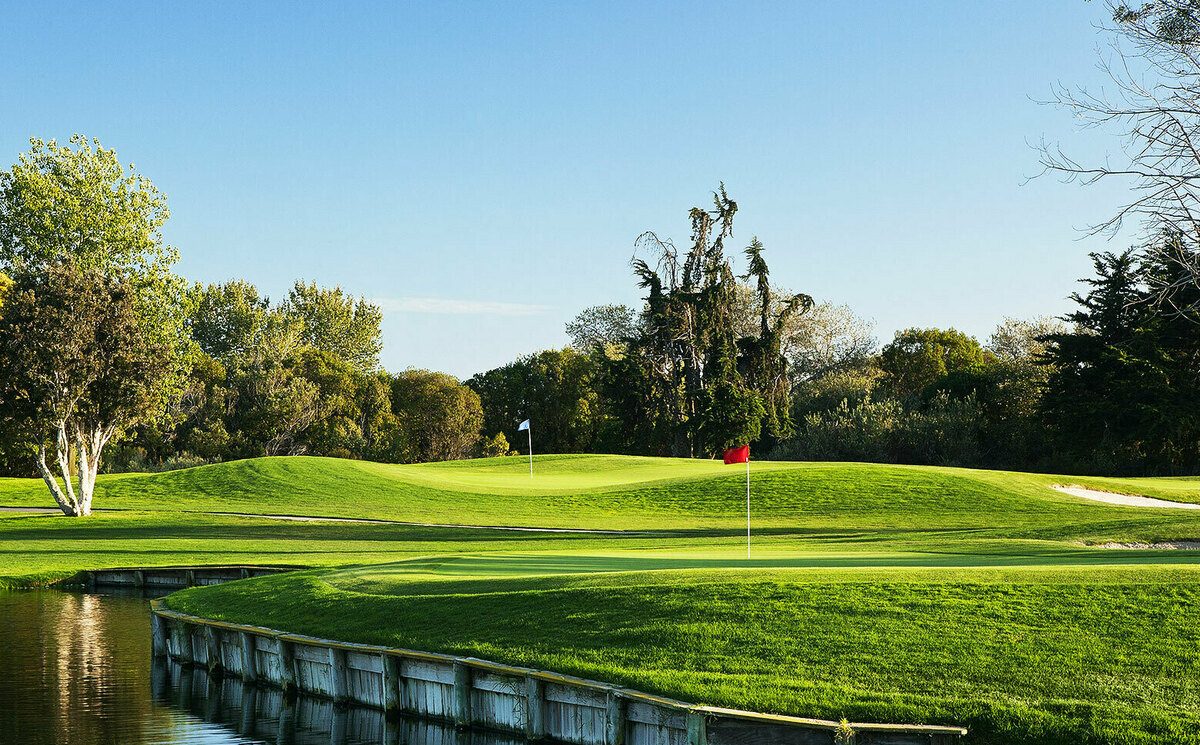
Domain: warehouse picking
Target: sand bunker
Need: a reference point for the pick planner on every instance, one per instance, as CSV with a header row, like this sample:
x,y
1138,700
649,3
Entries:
x,y
1125,500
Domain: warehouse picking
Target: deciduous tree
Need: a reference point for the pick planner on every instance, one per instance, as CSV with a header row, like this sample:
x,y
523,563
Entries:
x,y
76,369
332,321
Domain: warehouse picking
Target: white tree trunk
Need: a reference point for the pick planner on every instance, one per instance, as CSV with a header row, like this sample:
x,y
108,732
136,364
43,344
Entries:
x,y
68,505
89,445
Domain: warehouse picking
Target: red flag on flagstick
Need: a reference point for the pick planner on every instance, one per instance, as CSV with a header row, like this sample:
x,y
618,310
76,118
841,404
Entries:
x,y
737,455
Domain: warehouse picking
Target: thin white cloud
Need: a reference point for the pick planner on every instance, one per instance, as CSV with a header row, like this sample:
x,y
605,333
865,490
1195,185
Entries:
x,y
443,306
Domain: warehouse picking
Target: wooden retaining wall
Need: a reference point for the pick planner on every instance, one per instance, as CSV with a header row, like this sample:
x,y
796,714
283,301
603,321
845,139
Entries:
x,y
470,693
166,578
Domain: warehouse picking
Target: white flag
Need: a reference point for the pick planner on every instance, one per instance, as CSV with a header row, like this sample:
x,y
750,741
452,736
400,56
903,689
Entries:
x,y
524,426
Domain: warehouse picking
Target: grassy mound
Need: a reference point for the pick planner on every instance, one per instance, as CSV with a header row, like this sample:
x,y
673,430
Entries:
x,y
622,492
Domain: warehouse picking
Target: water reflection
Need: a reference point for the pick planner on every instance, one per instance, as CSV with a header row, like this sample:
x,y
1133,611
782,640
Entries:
x,y
76,669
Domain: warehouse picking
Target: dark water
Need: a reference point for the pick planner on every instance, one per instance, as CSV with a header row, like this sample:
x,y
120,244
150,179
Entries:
x,y
76,669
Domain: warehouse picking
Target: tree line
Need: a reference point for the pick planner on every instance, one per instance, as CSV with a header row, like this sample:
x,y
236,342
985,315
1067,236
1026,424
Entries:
x,y
111,361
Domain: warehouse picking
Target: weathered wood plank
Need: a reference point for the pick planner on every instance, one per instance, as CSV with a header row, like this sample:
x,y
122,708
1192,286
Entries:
x,y
428,698
493,710
572,723
592,697
370,662
722,731
614,730
434,672
657,715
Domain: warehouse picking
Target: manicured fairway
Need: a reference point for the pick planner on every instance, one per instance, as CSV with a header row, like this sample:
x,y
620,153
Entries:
x,y
614,492
874,592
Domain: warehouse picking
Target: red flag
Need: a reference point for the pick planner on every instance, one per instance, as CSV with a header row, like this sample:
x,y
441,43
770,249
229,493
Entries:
x,y
737,455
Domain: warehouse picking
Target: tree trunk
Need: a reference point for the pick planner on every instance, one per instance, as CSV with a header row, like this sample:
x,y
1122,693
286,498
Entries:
x,y
69,505
89,447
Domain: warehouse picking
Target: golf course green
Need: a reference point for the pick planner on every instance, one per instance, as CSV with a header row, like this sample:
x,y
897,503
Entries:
x,y
873,592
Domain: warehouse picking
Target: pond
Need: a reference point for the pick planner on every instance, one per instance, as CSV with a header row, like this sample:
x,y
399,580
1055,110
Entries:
x,y
76,669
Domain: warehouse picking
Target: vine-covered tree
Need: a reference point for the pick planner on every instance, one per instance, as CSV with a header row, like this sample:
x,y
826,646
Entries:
x,y
698,373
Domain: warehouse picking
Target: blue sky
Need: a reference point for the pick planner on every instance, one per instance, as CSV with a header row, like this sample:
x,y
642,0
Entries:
x,y
482,169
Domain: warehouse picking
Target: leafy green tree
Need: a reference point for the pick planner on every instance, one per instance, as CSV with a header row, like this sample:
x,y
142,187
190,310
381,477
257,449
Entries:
x,y
554,388
60,203
495,446
730,415
334,322
440,417
77,203
602,326
76,369
336,430
228,320
917,358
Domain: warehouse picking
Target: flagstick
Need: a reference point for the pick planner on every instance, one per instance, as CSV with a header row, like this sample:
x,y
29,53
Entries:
x,y
747,507
529,431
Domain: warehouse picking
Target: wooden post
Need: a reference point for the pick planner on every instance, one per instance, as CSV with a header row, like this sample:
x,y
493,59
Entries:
x,y
697,733
183,643
287,667
614,733
462,694
393,698
139,578
245,573
158,635
189,578
249,658
337,675
535,720
212,639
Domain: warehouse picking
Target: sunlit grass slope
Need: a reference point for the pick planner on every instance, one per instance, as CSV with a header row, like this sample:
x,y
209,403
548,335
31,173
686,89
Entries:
x,y
615,492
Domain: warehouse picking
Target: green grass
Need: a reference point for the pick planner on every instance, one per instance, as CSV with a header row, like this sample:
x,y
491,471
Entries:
x,y
1018,655
890,593
617,492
